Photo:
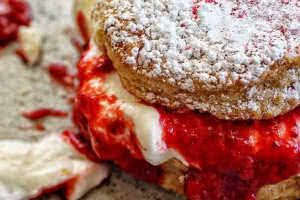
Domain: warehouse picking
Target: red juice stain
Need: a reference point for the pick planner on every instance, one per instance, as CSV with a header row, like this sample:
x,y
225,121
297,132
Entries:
x,y
83,27
13,14
44,112
39,126
22,55
60,73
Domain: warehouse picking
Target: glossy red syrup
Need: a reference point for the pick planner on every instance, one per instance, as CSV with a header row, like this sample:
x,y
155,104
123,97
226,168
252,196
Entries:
x,y
60,73
83,26
44,112
13,14
233,159
112,136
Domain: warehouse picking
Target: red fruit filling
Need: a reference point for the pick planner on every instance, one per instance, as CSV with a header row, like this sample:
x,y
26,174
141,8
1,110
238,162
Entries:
x,y
13,14
115,140
233,159
228,159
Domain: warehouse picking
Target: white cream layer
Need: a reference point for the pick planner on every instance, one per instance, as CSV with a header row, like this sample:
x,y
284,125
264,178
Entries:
x,y
145,118
26,168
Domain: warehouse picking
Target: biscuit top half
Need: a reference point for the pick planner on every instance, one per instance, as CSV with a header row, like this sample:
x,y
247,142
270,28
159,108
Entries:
x,y
237,59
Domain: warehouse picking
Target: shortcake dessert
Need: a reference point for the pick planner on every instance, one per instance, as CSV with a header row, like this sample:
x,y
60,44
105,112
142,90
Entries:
x,y
198,96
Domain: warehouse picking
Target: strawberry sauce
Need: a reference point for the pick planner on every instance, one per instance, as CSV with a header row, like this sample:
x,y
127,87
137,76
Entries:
x,y
83,26
112,137
233,159
13,14
60,73
44,112
228,160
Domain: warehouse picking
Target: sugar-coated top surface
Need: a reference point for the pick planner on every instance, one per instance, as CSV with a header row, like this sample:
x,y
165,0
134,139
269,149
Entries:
x,y
216,42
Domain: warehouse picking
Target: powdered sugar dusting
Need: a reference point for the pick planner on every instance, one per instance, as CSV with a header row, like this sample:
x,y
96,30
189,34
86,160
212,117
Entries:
x,y
238,39
216,44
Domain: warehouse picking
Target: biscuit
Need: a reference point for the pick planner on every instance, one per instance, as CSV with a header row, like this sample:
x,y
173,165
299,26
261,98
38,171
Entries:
x,y
235,61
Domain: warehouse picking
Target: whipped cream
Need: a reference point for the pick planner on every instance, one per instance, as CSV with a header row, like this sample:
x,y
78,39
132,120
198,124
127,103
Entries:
x,y
144,117
28,168
146,122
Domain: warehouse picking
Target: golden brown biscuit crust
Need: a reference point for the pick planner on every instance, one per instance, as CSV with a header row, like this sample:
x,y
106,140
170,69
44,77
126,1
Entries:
x,y
235,91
